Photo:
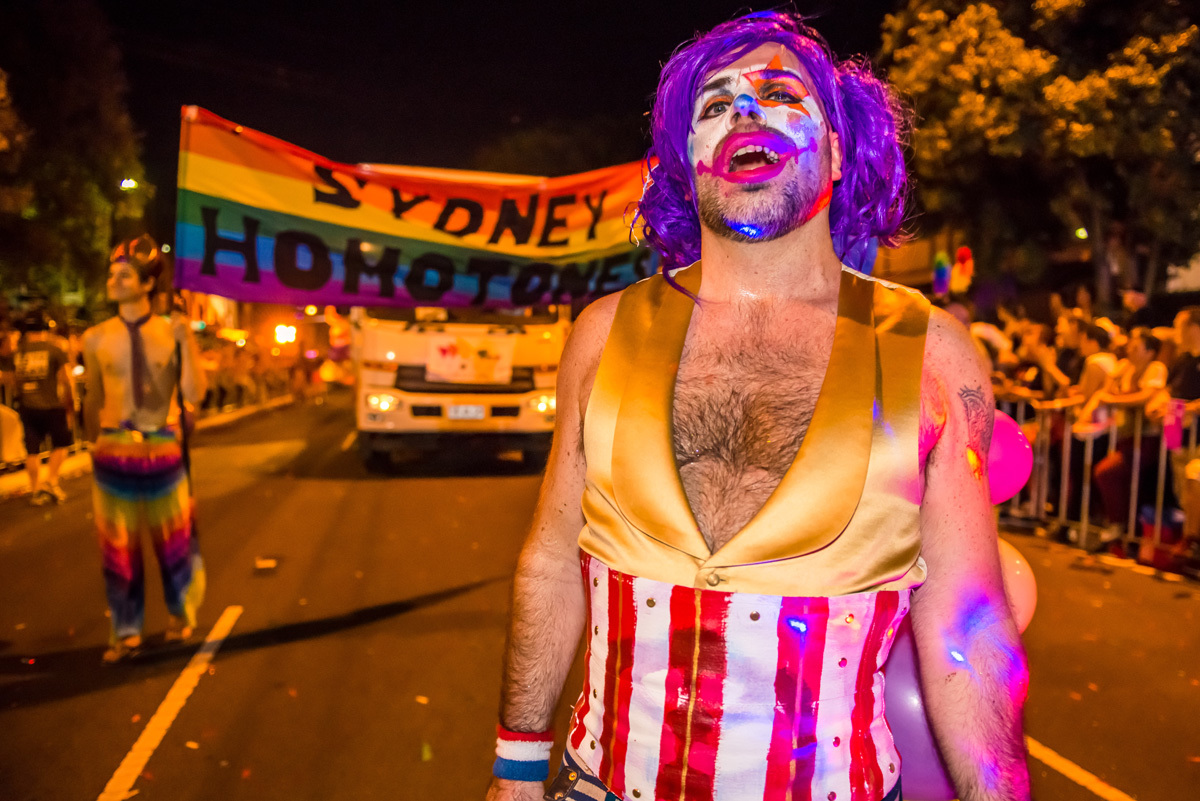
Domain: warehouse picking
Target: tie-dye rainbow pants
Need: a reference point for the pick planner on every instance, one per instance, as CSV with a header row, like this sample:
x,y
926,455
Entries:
x,y
140,491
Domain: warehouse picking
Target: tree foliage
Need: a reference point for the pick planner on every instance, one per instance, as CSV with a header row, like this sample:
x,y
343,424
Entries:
x,y
77,143
1035,120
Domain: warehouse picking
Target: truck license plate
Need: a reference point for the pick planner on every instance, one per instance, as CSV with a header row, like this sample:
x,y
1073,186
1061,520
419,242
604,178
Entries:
x,y
460,411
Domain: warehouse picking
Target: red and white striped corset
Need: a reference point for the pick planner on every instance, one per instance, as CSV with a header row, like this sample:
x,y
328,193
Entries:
x,y
694,694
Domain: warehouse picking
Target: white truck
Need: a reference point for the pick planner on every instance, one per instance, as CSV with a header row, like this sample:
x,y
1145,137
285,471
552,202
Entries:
x,y
431,378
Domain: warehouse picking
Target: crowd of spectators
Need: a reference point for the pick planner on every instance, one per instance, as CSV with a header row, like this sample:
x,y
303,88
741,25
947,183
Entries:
x,y
1099,375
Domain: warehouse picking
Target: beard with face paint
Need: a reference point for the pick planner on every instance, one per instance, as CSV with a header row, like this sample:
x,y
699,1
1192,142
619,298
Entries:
x,y
760,148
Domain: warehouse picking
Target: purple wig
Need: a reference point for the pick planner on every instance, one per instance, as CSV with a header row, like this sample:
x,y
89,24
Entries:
x,y
868,201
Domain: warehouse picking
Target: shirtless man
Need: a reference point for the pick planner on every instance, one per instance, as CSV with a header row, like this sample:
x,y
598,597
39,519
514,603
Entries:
x,y
772,461
132,364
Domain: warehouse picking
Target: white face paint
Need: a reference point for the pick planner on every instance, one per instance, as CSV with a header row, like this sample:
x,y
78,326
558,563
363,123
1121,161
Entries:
x,y
760,147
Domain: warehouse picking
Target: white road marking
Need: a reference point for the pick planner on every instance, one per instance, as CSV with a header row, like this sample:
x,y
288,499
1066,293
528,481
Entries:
x,y
120,786
349,440
1075,773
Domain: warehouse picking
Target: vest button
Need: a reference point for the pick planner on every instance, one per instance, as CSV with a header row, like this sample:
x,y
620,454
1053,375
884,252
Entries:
x,y
714,579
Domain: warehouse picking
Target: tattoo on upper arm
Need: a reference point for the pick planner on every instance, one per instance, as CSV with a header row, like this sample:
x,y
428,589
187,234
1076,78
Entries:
x,y
980,419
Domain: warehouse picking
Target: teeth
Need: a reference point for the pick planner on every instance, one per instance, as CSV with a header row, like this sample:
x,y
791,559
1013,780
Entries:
x,y
771,156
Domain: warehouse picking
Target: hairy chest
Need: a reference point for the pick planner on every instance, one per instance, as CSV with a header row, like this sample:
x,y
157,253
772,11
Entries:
x,y
742,408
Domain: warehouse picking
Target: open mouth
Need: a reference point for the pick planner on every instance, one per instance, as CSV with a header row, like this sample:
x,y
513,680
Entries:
x,y
753,157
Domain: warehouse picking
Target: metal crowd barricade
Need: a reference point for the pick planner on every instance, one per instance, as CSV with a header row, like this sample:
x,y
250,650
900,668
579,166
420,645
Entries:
x,y
1031,506
1161,478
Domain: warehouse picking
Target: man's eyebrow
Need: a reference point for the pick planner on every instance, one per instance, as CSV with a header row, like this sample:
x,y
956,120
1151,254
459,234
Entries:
x,y
716,83
767,75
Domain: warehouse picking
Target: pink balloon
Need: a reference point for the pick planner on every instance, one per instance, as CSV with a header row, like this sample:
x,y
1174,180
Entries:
x,y
922,771
1010,460
1019,585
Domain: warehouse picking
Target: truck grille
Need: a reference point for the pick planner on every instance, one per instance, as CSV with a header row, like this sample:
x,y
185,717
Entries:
x,y
411,378
426,411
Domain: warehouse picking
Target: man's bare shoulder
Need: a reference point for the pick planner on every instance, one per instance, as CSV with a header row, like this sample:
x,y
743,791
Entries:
x,y
581,354
952,364
93,336
590,331
950,353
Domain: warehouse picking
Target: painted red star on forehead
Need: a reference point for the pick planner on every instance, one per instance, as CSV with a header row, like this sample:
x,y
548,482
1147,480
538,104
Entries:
x,y
776,73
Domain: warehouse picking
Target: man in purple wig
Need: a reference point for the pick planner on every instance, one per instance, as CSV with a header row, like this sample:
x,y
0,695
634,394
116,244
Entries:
x,y
779,458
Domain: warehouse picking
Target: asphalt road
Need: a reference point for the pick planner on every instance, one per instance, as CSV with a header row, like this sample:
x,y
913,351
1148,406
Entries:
x,y
365,664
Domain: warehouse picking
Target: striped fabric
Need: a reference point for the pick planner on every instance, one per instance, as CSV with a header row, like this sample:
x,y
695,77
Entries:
x,y
522,756
141,491
699,694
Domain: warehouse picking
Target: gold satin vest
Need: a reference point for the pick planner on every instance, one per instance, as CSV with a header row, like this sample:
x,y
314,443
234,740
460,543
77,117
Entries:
x,y
845,517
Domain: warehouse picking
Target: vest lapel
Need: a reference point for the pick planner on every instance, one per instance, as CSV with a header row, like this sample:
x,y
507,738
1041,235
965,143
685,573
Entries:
x,y
820,491
645,475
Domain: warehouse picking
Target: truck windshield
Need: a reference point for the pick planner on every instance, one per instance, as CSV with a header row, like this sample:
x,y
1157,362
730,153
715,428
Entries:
x,y
526,315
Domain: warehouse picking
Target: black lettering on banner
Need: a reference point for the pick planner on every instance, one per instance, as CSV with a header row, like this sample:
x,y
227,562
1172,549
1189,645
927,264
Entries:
x,y
486,269
400,206
553,221
287,264
607,276
573,284
596,211
426,263
214,243
532,283
384,270
340,196
512,220
474,216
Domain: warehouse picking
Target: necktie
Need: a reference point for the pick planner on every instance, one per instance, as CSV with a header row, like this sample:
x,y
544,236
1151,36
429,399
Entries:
x,y
137,349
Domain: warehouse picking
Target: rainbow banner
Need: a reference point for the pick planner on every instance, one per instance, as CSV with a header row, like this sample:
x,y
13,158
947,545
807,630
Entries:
x,y
262,220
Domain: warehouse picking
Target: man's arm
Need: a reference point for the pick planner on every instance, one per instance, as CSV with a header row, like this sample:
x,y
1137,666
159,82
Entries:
x,y
193,380
93,385
1051,374
973,670
66,387
548,612
1092,381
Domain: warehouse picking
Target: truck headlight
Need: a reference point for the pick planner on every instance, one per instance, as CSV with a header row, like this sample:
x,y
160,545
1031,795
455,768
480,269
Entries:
x,y
543,403
382,402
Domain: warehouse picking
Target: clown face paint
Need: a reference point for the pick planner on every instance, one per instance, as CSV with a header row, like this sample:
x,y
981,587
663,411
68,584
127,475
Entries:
x,y
760,147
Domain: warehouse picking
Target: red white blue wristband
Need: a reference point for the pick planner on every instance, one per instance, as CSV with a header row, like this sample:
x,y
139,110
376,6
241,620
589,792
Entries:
x,y
522,756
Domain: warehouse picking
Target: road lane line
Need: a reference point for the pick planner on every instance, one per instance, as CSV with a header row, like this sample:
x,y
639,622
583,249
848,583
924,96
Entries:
x,y
1075,773
119,787
349,440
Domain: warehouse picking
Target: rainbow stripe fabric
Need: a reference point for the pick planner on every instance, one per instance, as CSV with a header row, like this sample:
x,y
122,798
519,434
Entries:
x,y
720,696
141,491
260,219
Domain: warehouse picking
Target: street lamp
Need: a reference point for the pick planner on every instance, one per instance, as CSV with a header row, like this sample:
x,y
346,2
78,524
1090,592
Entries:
x,y
1081,233
128,184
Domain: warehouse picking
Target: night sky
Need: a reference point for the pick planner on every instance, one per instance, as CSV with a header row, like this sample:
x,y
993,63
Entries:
x,y
410,83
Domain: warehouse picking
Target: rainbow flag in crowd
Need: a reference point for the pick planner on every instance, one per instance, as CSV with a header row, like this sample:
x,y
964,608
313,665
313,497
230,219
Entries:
x,y
263,220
